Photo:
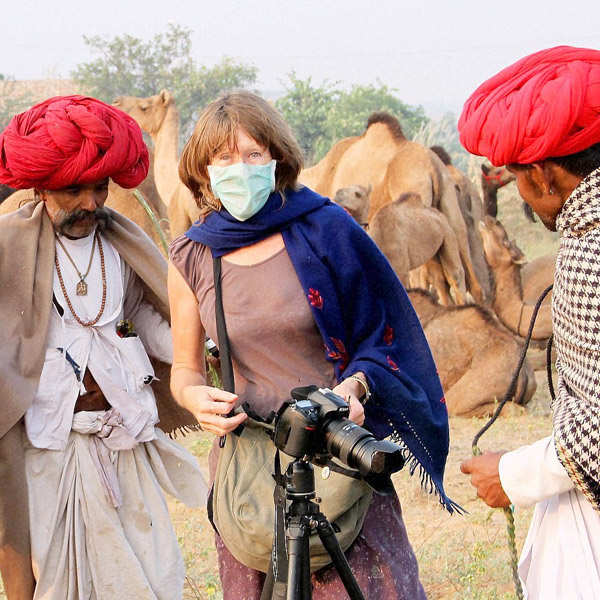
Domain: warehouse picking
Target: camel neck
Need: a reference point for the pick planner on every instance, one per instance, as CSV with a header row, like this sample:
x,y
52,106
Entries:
x,y
490,199
166,147
508,300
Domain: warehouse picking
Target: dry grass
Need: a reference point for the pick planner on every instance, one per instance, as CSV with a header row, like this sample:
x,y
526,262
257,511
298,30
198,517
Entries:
x,y
460,557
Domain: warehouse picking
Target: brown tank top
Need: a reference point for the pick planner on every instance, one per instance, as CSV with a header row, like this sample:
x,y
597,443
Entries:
x,y
275,343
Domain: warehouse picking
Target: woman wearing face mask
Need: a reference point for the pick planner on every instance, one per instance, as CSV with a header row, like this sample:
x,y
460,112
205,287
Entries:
x,y
308,299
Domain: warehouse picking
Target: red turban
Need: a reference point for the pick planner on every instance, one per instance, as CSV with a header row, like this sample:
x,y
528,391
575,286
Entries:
x,y
546,104
71,140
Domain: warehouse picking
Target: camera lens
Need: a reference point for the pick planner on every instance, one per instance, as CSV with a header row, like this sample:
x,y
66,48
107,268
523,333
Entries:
x,y
357,448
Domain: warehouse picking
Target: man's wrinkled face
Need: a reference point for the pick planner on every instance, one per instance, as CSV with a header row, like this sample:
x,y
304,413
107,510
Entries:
x,y
76,210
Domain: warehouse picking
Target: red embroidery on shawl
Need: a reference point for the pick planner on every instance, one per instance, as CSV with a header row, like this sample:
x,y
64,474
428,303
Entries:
x,y
443,400
392,364
388,335
315,298
340,353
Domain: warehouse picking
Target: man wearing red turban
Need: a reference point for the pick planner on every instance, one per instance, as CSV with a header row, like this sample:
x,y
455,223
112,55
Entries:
x,y
541,117
82,307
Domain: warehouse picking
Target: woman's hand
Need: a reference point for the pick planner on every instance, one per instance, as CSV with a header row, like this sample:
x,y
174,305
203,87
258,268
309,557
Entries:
x,y
350,390
210,406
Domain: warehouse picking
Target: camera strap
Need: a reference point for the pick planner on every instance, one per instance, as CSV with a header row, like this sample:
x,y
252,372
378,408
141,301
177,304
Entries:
x,y
224,354
224,350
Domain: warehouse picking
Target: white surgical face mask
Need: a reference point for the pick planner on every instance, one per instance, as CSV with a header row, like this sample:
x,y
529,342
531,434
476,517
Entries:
x,y
243,189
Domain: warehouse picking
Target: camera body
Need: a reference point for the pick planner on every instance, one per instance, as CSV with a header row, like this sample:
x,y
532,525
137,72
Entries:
x,y
300,421
314,425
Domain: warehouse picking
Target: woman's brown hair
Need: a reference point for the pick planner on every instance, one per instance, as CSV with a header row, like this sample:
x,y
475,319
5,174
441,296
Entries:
x,y
217,128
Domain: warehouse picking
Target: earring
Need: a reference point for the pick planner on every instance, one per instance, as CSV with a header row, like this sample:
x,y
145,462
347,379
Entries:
x,y
551,191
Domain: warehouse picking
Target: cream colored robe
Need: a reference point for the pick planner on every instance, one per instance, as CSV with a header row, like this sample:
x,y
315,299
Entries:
x,y
26,275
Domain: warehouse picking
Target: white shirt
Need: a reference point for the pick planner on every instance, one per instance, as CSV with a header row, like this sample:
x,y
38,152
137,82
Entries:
x,y
120,366
561,555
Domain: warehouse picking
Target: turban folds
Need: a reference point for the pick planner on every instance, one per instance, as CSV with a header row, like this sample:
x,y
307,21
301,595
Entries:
x,y
545,105
72,140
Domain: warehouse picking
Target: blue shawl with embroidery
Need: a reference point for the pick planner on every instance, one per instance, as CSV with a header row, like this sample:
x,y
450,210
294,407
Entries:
x,y
363,314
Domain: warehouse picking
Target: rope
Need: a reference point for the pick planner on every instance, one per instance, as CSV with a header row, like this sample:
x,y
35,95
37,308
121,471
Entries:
x,y
152,216
510,392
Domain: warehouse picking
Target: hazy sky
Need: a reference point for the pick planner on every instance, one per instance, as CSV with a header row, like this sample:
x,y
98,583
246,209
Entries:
x,y
434,52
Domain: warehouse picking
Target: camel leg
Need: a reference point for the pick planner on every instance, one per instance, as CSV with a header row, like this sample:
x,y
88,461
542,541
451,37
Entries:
x,y
416,278
450,207
438,283
452,266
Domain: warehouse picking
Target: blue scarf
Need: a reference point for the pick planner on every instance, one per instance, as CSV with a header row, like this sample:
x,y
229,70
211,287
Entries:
x,y
363,314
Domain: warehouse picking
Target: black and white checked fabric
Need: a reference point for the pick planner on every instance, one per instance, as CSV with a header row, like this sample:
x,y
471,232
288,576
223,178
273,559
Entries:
x,y
576,326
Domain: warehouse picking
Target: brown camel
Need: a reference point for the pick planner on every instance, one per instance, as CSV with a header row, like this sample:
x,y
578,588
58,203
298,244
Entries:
x,y
471,207
430,277
506,261
355,199
158,116
119,199
384,158
474,354
492,179
410,235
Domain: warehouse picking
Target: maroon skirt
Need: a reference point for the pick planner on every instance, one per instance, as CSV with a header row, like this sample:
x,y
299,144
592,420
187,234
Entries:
x,y
381,559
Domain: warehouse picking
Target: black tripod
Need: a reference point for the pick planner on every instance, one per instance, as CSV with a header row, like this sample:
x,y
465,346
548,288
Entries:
x,y
288,576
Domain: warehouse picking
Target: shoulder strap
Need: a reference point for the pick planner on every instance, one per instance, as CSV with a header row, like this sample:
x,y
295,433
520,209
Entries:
x,y
224,353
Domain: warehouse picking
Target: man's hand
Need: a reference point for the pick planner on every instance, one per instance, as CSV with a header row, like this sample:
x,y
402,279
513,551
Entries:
x,y
486,478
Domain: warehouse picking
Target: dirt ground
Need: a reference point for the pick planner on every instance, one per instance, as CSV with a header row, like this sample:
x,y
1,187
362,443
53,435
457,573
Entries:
x,y
460,557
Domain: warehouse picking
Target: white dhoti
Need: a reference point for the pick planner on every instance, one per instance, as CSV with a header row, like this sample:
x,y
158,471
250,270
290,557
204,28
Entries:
x,y
85,547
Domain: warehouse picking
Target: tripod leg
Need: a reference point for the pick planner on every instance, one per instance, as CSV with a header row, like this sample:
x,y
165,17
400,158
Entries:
x,y
331,544
298,581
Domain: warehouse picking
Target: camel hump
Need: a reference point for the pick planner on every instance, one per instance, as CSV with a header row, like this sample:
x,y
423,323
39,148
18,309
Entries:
x,y
390,121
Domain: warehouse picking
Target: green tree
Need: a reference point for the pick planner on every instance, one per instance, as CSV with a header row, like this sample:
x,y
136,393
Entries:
x,y
322,115
127,65
305,108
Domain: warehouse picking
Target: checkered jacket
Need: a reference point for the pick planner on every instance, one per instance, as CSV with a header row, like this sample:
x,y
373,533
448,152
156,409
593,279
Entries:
x,y
576,326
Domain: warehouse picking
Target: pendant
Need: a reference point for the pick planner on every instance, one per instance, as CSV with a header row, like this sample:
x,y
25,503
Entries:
x,y
82,288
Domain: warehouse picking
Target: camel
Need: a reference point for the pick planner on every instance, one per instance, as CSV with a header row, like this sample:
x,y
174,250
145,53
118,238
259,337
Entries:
x,y
474,354
355,199
492,179
471,207
409,234
384,158
430,277
119,199
514,307
157,115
